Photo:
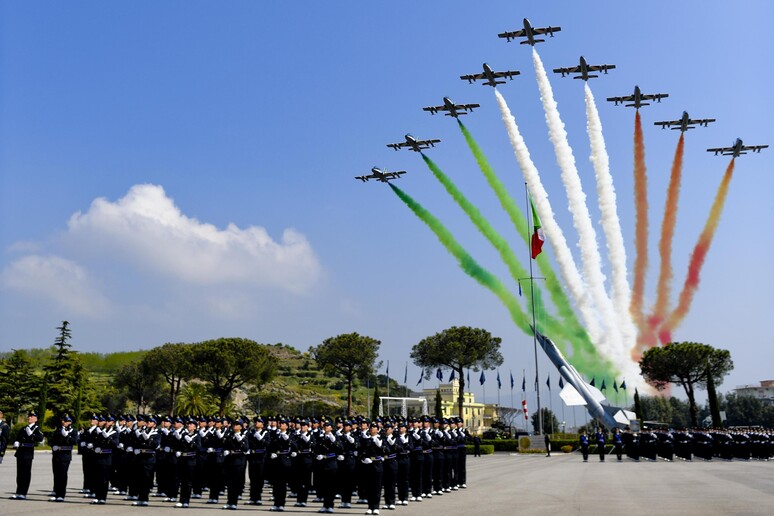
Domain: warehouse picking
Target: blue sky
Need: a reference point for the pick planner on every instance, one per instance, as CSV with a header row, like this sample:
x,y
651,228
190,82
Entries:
x,y
179,171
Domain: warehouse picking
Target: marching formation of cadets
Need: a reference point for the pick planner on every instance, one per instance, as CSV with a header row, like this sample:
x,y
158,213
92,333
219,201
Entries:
x,y
385,462
705,444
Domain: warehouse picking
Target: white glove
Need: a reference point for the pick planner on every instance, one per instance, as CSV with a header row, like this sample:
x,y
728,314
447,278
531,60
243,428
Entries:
x,y
331,437
350,438
273,455
120,446
320,457
226,453
28,429
390,439
178,454
293,454
97,450
137,452
129,449
285,436
210,450
64,432
167,449
90,446
55,448
259,435
188,438
339,457
377,441
239,437
16,444
428,438
367,461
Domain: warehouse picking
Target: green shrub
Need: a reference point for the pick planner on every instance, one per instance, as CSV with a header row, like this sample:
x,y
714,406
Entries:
x,y
566,448
524,443
532,450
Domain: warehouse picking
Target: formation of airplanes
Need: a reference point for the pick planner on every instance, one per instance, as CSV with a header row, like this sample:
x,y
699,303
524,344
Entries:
x,y
584,72
451,108
737,149
637,98
684,123
583,69
490,76
381,175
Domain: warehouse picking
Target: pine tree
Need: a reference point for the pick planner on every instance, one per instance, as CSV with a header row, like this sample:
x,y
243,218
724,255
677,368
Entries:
x,y
438,404
375,406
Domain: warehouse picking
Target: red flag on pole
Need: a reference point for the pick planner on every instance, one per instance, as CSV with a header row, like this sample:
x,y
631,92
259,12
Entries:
x,y
524,408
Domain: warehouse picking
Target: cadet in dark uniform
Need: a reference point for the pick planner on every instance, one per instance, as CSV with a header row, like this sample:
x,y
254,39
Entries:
x,y
403,448
328,453
214,466
462,454
390,475
372,457
417,462
5,435
186,450
427,467
302,463
105,443
87,457
600,438
439,458
26,440
584,446
62,441
617,444
235,458
280,449
146,443
346,468
258,441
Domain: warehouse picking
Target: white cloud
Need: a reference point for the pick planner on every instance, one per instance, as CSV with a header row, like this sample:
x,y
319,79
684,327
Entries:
x,y
58,280
147,230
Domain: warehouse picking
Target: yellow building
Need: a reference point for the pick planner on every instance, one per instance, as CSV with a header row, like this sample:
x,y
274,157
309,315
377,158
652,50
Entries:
x,y
478,416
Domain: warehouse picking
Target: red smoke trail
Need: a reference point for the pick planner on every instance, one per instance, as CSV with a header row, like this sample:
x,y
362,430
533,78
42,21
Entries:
x,y
665,245
697,258
641,234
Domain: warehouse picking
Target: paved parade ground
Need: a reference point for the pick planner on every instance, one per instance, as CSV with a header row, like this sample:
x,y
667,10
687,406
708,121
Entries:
x,y
498,484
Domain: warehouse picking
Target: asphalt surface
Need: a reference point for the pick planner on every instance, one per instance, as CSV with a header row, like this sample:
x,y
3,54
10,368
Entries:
x,y
497,484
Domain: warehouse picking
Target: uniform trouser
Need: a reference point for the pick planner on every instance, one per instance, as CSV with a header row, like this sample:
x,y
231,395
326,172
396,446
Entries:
x,y
345,479
200,474
402,478
23,474
281,469
145,468
256,470
60,464
415,473
234,467
185,472
462,470
102,467
389,479
88,471
427,473
618,450
449,463
85,468
438,469
326,480
215,474
372,483
585,451
302,477
601,451
132,474
118,476
166,475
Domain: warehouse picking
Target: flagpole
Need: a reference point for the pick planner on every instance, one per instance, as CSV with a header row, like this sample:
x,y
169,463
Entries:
x,y
532,294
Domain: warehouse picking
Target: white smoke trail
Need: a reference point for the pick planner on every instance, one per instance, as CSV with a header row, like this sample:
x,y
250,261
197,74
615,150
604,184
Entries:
x,y
592,266
551,229
611,225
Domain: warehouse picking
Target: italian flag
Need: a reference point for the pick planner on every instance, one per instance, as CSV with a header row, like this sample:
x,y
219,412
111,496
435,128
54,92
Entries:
x,y
537,235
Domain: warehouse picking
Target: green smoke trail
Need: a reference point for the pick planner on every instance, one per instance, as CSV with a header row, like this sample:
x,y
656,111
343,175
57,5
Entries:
x,y
466,262
573,329
515,267
589,363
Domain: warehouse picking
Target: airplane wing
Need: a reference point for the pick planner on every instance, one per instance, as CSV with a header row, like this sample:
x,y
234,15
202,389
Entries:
x,y
565,71
667,123
754,148
397,146
509,74
545,30
430,143
467,107
702,121
473,77
654,96
619,100
393,175
363,178
434,109
721,150
511,35
600,68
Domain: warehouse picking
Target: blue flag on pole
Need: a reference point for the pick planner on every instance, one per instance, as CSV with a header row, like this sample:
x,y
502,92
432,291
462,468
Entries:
x,y
593,382
421,375
499,383
468,376
615,385
405,374
387,373
482,378
520,289
512,382
451,376
561,383
524,383
439,375
548,382
536,382
623,384
604,387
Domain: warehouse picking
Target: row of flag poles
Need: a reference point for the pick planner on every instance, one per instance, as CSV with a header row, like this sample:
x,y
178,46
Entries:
x,y
618,388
